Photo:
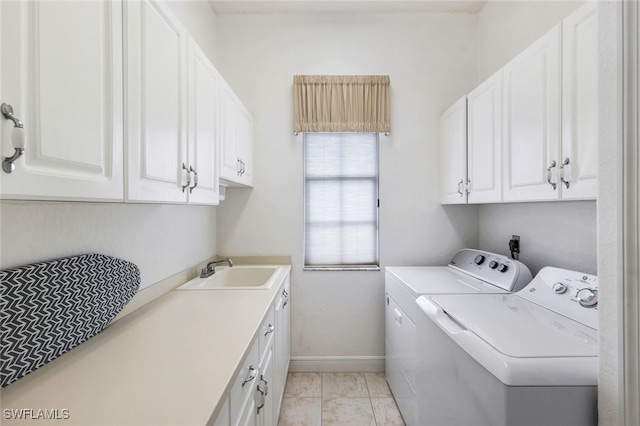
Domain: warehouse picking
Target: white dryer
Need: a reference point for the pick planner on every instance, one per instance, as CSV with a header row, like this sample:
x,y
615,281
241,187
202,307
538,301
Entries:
x,y
529,358
469,272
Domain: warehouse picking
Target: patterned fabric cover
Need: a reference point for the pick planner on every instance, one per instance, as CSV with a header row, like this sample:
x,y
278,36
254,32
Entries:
x,y
48,308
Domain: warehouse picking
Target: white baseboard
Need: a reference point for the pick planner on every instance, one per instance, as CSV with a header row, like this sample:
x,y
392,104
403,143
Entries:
x,y
336,364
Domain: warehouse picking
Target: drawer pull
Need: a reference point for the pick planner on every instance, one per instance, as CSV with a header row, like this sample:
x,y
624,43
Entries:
x,y
270,330
250,375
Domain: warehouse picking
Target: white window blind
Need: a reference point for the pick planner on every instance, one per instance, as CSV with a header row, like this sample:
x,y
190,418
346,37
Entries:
x,y
341,200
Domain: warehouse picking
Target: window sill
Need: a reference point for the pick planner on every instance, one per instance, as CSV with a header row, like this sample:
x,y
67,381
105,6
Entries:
x,y
345,268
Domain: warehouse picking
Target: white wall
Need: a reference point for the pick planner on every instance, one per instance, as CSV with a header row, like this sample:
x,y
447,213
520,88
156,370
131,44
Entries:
x,y
161,239
552,234
431,62
506,27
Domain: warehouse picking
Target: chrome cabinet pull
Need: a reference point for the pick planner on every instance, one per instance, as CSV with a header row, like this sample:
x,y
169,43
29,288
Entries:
x,y
467,189
18,139
460,187
264,391
550,173
239,169
184,167
195,179
250,375
270,329
266,385
565,170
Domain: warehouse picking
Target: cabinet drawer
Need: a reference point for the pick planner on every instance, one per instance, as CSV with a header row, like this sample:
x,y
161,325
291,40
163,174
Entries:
x,y
244,382
267,330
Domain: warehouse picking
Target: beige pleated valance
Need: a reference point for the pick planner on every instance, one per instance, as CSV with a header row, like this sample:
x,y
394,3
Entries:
x,y
341,103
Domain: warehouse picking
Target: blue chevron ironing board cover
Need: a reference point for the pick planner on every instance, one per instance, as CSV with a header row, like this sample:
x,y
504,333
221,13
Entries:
x,y
48,308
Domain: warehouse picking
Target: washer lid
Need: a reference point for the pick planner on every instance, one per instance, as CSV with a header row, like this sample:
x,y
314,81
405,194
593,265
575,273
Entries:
x,y
440,280
519,328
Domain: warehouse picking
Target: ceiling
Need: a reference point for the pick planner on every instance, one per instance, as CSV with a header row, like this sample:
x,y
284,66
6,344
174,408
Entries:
x,y
240,7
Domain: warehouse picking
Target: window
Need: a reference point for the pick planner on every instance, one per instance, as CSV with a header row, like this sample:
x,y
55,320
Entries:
x,y
341,200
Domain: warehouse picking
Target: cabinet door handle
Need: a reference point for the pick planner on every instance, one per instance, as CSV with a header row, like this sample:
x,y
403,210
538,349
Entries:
x,y
270,329
184,167
550,174
18,139
195,179
238,168
266,385
261,401
460,187
565,171
250,375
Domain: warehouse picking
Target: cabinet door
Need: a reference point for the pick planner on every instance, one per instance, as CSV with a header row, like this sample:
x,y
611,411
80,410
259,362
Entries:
x,y
580,104
156,85
531,121
61,70
245,146
484,141
229,159
453,154
264,403
283,346
203,127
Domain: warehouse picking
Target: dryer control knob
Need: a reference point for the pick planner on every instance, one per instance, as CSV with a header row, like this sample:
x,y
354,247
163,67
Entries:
x,y
479,259
493,264
587,297
560,287
502,267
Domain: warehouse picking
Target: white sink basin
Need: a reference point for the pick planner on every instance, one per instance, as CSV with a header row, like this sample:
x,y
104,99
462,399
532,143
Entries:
x,y
237,277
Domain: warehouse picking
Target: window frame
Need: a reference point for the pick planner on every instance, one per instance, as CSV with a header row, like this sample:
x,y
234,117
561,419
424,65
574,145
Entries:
x,y
346,267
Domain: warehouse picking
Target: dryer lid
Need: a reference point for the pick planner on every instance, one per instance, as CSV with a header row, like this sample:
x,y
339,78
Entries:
x,y
440,280
519,328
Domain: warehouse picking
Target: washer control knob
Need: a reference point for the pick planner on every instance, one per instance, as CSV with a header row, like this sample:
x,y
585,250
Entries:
x,y
502,267
493,264
560,287
587,297
479,260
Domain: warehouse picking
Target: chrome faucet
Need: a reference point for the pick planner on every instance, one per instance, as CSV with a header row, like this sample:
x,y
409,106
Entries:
x,y
210,269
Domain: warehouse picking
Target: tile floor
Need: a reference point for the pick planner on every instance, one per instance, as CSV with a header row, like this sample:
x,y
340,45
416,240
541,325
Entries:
x,y
327,399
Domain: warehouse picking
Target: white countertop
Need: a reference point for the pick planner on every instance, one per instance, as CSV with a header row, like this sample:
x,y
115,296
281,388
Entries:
x,y
168,363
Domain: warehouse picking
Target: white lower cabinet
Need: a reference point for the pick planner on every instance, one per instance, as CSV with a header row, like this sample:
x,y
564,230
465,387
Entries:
x,y
257,390
282,343
242,389
265,398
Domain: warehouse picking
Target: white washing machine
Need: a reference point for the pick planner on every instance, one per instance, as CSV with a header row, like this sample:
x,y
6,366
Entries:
x,y
529,358
470,271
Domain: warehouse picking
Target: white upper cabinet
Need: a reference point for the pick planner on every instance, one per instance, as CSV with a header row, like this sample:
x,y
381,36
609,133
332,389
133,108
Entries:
x,y
245,146
203,128
579,159
156,93
484,141
236,144
453,154
61,71
531,128
172,110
